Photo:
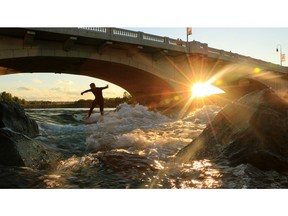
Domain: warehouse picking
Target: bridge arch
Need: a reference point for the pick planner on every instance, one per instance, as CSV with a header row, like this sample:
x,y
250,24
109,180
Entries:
x,y
141,81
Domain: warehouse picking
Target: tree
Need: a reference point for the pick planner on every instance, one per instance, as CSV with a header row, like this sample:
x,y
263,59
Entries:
x,y
127,97
6,96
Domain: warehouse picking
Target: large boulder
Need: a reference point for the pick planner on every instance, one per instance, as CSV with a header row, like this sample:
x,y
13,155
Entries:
x,y
251,130
17,149
13,116
17,146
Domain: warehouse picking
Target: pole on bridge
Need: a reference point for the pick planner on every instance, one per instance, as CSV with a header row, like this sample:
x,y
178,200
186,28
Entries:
x,y
280,53
188,32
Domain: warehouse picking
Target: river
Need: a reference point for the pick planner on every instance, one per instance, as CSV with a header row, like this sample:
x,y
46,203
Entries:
x,y
130,147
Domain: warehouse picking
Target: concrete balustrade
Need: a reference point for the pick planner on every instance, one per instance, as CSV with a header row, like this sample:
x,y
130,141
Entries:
x,y
193,47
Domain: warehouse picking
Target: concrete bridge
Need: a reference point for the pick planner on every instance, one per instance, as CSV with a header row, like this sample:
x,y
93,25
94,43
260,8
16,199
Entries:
x,y
156,71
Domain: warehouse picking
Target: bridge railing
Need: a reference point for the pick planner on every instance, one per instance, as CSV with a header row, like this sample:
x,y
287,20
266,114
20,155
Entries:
x,y
193,47
154,38
235,57
140,35
177,42
97,29
124,32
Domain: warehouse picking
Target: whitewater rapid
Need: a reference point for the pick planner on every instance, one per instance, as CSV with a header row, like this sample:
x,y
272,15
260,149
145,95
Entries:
x,y
134,147
137,127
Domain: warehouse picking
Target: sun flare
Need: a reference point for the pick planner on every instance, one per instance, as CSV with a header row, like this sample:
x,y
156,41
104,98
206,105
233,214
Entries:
x,y
204,89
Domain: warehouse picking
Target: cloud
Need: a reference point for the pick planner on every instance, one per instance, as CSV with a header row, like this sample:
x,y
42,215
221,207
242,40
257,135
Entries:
x,y
65,82
63,89
24,88
58,82
110,94
37,81
68,82
62,94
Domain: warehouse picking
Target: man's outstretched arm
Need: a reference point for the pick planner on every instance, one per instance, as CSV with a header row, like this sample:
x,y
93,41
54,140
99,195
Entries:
x,y
105,87
85,91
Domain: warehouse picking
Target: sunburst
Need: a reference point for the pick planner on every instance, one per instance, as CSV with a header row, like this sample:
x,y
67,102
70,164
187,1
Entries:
x,y
203,89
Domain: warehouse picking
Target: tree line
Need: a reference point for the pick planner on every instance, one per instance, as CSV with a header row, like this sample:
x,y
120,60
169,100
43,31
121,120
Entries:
x,y
8,97
109,102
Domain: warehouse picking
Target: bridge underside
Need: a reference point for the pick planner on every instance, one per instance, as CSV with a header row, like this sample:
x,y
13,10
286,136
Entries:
x,y
242,87
146,88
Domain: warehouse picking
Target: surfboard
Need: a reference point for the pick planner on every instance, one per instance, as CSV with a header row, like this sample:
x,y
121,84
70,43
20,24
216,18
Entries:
x,y
78,117
83,118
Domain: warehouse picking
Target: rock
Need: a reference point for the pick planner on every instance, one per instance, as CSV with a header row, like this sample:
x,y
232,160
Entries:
x,y
9,156
13,116
17,146
251,130
19,150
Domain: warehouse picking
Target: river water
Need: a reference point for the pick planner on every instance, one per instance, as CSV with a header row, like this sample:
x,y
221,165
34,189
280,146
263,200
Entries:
x,y
133,148
130,147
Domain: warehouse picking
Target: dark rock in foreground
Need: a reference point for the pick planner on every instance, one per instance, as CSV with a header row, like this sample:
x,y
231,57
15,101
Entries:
x,y
17,148
252,130
13,116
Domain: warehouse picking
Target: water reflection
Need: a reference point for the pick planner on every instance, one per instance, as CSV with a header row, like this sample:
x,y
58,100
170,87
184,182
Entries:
x,y
123,170
199,174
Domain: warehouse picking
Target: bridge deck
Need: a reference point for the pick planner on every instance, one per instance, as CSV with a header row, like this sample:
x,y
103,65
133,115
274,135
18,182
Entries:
x,y
146,42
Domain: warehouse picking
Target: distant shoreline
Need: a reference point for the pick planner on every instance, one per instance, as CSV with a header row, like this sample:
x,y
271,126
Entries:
x,y
62,105
108,103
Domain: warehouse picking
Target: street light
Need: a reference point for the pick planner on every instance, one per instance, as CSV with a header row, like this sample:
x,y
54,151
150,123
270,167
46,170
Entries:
x,y
280,53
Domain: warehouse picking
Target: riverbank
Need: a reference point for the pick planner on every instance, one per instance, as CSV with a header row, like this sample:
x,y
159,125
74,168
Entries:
x,y
109,103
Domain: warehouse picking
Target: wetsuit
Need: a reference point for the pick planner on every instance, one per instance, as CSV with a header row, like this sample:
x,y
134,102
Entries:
x,y
99,100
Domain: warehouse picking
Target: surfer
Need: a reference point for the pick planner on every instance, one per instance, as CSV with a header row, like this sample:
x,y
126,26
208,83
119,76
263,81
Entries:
x,y
97,91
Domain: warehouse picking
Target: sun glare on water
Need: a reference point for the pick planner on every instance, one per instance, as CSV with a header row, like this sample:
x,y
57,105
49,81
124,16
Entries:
x,y
204,89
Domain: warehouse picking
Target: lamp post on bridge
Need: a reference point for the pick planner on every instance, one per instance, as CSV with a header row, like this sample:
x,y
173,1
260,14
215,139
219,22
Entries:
x,y
282,56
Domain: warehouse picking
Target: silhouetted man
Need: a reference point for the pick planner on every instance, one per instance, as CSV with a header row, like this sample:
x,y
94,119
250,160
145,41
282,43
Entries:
x,y
98,98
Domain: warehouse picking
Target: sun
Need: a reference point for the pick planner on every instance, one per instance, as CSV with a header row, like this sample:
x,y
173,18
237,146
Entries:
x,y
200,90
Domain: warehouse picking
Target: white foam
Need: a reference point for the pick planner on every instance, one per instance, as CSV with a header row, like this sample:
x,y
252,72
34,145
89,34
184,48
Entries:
x,y
203,115
136,126
77,163
78,117
94,118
